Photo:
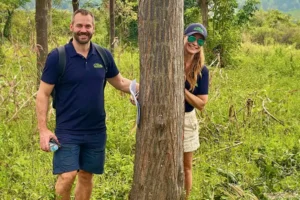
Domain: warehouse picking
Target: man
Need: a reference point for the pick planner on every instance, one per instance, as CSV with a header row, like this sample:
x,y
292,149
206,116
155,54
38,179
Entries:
x,y
80,114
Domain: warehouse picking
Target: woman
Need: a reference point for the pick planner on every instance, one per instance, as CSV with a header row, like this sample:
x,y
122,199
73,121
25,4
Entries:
x,y
196,93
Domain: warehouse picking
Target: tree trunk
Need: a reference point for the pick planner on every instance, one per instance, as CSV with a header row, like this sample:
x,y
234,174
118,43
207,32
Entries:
x,y
41,15
7,26
75,4
112,25
49,3
204,12
158,167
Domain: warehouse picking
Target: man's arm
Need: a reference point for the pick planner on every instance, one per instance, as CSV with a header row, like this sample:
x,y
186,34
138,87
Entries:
x,y
197,101
121,83
42,102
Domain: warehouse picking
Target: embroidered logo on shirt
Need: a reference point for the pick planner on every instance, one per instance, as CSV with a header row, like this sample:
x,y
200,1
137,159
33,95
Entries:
x,y
98,65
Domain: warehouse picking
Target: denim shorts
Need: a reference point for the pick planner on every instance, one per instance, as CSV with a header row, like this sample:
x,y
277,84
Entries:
x,y
83,152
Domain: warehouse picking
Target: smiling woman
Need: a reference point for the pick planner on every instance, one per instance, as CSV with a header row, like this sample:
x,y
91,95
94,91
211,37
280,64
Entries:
x,y
196,93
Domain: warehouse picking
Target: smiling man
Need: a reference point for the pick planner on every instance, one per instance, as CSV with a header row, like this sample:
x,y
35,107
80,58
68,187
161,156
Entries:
x,y
80,115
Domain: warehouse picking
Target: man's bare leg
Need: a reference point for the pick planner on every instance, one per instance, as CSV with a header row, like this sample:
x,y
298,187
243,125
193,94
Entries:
x,y
84,185
64,185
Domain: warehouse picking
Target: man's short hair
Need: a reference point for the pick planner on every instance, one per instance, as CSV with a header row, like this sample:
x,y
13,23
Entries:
x,y
83,12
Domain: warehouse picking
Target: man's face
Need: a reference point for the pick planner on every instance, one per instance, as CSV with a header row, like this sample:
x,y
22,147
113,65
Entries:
x,y
82,28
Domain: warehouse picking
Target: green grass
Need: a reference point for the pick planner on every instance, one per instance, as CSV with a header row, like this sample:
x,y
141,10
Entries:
x,y
260,149
245,152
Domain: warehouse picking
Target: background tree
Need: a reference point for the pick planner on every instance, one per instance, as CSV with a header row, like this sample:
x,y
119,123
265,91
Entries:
x,y
75,5
112,24
49,15
204,11
41,15
191,12
126,27
158,167
10,6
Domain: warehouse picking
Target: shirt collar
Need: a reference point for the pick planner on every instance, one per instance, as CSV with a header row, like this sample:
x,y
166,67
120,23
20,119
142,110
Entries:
x,y
73,52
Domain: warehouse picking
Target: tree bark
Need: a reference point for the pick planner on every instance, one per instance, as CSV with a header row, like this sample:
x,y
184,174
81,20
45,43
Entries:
x,y
7,26
158,167
112,25
204,12
49,4
75,4
41,15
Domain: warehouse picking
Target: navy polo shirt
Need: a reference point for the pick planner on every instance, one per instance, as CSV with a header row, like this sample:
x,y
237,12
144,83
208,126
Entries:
x,y
80,92
201,87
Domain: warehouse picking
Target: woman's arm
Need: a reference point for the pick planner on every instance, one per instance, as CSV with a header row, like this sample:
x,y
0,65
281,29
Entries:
x,y
197,101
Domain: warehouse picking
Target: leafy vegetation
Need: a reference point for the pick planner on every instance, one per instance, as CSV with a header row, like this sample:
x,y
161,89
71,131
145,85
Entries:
x,y
250,129
281,5
274,27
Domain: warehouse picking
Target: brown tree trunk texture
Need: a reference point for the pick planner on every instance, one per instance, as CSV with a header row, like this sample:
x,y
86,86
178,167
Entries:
x,y
75,4
158,166
204,12
112,24
49,15
41,15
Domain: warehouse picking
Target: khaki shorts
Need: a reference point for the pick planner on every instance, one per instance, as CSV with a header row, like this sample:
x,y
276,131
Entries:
x,y
191,132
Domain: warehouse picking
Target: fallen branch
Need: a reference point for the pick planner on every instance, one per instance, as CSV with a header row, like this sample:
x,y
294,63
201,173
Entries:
x,y
272,116
223,149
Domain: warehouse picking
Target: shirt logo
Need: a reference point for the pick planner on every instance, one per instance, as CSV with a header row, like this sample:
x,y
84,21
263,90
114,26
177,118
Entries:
x,y
199,29
98,65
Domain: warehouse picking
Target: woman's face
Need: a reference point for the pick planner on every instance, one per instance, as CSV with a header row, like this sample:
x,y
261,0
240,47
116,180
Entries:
x,y
192,47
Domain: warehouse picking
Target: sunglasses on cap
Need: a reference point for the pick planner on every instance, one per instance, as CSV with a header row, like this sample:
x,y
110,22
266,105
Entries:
x,y
192,38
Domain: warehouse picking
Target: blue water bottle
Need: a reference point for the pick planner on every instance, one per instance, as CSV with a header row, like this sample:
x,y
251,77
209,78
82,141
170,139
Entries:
x,y
53,145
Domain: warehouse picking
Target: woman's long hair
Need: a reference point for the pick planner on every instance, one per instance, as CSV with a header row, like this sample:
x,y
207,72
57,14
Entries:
x,y
195,69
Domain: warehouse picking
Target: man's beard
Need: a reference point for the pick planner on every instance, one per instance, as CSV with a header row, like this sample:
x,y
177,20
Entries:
x,y
77,35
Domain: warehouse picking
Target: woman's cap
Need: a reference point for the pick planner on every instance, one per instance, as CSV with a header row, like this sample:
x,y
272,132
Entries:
x,y
196,28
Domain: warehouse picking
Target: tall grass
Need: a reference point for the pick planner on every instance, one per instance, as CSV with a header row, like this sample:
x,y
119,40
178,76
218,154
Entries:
x,y
249,129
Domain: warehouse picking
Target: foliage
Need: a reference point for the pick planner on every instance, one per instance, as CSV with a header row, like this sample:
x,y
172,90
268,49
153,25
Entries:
x,y
245,14
23,20
273,27
2,56
281,5
67,4
245,153
223,33
249,133
10,6
191,12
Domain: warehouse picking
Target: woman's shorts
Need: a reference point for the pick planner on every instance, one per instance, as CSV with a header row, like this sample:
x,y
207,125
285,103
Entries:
x,y
191,132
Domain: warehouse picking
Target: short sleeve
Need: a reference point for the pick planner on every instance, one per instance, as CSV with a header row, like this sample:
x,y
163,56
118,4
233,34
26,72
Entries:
x,y
50,71
112,69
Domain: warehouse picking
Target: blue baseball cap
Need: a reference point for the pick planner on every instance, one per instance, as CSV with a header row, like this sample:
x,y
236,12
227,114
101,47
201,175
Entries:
x,y
195,28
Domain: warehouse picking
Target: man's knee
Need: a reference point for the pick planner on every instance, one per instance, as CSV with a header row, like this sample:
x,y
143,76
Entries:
x,y
67,178
84,176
